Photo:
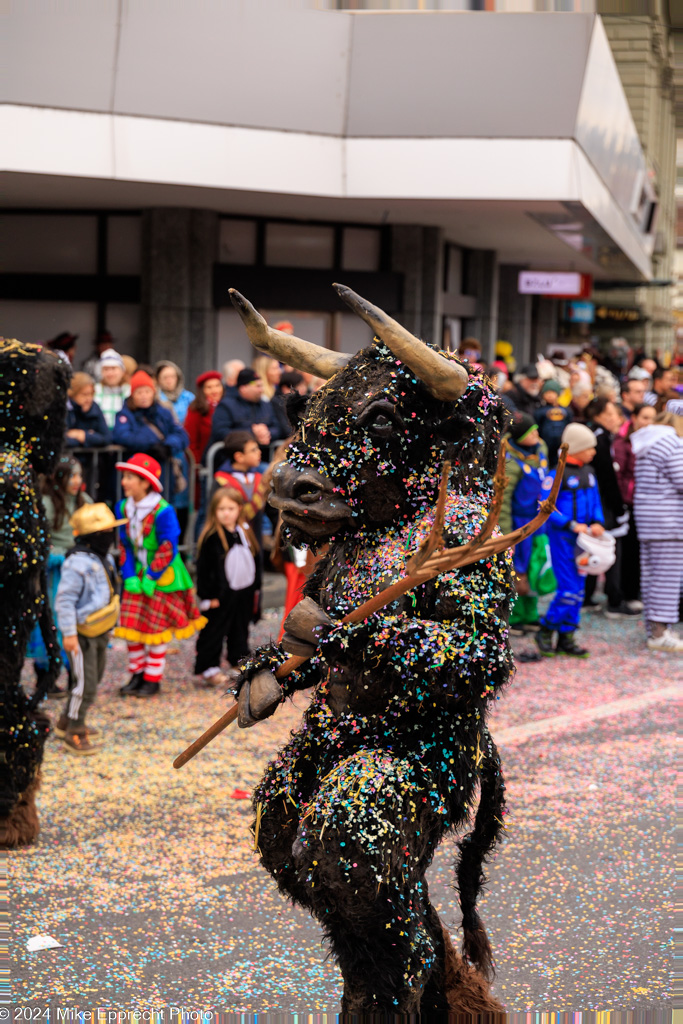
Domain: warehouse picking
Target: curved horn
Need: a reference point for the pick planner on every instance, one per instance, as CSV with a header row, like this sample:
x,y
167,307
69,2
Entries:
x,y
445,379
321,362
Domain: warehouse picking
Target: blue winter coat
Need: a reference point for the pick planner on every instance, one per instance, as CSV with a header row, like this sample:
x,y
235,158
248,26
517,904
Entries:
x,y
551,420
578,500
235,413
132,429
92,422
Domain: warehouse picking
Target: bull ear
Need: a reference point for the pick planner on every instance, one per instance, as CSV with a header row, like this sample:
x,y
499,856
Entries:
x,y
321,362
445,379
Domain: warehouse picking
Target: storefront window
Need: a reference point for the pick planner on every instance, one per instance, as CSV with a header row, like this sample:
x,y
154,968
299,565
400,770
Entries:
x,y
360,249
48,244
299,245
124,245
237,241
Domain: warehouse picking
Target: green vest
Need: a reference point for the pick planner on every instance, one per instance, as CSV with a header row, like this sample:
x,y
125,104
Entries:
x,y
175,576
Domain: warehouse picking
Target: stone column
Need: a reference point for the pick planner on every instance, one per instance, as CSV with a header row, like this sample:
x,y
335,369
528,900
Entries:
x,y
417,254
483,284
179,322
514,314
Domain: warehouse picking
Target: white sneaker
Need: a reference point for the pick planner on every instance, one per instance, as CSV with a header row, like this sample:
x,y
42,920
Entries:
x,y
667,642
635,606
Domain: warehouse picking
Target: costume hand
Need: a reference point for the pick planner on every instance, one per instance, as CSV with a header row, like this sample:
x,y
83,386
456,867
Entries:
x,y
597,529
305,626
214,603
70,644
257,698
148,586
580,528
133,585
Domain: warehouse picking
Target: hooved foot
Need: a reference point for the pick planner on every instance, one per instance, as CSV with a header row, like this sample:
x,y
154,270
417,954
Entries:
x,y
467,991
21,827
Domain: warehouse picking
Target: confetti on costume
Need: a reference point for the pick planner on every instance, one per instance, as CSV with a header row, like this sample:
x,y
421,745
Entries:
x,y
33,386
394,743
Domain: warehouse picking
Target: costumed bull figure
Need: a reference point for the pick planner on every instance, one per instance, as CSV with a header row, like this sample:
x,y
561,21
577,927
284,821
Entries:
x,y
33,386
394,743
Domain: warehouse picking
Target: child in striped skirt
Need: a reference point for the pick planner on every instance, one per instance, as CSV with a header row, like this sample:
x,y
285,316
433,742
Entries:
x,y
158,597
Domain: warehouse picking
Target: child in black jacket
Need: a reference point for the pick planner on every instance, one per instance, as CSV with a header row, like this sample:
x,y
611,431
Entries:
x,y
226,586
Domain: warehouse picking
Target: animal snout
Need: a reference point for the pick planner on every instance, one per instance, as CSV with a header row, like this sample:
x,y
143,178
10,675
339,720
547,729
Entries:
x,y
307,491
305,486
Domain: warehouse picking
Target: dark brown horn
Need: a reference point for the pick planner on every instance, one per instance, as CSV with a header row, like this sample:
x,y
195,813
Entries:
x,y
321,362
445,379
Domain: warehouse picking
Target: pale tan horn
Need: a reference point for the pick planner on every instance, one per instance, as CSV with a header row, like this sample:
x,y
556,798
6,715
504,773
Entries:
x,y
445,379
321,362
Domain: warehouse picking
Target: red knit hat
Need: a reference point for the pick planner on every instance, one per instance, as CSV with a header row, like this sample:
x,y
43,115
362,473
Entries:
x,y
144,465
140,379
209,375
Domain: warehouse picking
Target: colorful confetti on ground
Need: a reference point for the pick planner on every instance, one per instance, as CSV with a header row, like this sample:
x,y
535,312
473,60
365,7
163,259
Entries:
x,y
147,875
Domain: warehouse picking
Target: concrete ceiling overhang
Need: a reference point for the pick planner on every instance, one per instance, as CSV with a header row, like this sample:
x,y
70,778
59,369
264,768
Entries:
x,y
512,132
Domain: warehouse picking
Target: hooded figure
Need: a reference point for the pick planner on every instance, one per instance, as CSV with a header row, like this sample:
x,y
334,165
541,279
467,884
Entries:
x,y
173,396
658,508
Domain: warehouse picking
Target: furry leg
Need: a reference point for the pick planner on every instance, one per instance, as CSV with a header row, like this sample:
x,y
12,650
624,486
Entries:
x,y
475,849
21,827
453,986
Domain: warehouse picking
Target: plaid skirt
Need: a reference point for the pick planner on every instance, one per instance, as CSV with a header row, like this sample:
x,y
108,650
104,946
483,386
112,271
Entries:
x,y
159,618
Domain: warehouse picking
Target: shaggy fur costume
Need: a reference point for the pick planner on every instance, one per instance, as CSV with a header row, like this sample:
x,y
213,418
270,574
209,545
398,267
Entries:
x,y
33,386
394,743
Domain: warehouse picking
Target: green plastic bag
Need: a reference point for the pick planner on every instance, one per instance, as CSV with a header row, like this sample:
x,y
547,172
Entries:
x,y
541,576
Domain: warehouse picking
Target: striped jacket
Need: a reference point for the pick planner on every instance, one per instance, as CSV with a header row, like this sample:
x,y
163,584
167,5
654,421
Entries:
x,y
658,495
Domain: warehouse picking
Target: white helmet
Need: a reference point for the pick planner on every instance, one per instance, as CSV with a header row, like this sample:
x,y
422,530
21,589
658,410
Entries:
x,y
596,554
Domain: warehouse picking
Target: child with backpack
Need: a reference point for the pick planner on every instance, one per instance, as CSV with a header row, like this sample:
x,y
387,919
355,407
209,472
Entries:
x,y
87,608
226,586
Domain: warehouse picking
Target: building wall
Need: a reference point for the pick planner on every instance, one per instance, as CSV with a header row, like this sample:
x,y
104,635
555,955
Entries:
x,y
642,45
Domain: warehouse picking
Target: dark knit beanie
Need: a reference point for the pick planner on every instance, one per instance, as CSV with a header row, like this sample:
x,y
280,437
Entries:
x,y
522,424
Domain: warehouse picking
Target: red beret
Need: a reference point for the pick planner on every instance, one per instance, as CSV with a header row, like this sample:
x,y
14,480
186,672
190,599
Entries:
x,y
209,375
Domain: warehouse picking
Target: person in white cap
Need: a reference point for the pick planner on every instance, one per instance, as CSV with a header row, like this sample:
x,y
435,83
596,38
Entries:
x,y
577,510
111,391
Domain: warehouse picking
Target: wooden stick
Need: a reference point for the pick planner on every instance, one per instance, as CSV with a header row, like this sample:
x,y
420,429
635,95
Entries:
x,y
438,563
434,542
206,737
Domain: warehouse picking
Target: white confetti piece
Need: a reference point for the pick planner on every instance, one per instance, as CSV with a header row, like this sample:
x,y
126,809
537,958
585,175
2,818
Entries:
x,y
37,942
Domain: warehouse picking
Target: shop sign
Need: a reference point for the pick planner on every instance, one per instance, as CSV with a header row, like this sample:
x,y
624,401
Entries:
x,y
617,315
579,312
560,284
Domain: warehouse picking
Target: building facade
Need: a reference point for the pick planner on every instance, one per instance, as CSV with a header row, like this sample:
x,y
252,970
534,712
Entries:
x,y
424,157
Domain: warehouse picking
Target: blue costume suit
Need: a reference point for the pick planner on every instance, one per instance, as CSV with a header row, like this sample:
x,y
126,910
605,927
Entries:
x,y
577,502
526,497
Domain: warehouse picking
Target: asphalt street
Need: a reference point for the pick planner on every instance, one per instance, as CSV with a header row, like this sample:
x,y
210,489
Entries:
x,y
147,878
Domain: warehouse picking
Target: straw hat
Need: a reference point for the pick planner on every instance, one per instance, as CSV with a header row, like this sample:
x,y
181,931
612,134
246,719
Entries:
x,y
93,519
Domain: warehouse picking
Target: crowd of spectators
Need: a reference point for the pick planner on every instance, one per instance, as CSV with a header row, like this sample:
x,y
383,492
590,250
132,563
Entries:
x,y
633,407
632,404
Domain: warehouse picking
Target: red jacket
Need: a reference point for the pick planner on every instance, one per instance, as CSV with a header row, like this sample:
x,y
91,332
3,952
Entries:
x,y
625,467
198,427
